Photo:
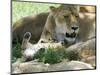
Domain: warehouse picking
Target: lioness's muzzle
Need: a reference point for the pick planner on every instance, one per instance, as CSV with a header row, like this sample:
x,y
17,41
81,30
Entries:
x,y
72,35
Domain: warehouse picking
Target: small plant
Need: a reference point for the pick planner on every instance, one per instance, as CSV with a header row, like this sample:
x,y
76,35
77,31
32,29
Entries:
x,y
16,52
50,55
40,55
53,56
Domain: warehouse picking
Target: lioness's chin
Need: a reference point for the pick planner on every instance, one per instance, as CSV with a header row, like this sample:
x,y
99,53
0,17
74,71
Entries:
x,y
69,40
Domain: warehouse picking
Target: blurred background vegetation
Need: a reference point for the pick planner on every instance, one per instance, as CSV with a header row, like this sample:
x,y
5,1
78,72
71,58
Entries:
x,y
21,9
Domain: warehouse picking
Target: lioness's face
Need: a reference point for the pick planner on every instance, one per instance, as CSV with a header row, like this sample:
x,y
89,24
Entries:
x,y
66,19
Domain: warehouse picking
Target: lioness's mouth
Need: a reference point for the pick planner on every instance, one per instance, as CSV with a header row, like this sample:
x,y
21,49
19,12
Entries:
x,y
72,35
70,38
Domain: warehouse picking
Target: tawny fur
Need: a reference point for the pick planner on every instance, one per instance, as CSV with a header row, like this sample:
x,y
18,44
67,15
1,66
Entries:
x,y
32,24
35,25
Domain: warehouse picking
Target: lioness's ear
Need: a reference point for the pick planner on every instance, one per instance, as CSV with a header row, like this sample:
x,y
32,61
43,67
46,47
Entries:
x,y
53,9
87,9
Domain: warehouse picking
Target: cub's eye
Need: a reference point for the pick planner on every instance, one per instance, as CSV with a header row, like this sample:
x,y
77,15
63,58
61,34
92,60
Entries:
x,y
66,16
76,16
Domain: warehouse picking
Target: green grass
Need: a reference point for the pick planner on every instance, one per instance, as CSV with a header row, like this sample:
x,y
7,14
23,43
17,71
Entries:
x,y
16,52
53,56
50,55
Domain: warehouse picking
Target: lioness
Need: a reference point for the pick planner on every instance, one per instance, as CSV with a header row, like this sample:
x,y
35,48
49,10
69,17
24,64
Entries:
x,y
62,24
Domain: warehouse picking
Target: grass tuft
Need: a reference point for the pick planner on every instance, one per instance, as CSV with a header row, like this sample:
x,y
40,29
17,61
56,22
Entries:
x,y
53,56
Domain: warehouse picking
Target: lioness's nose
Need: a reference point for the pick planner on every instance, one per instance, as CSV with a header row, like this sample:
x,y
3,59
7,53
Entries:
x,y
74,28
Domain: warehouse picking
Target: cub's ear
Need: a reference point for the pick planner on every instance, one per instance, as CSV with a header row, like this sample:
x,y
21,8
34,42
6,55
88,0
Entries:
x,y
27,36
53,9
25,41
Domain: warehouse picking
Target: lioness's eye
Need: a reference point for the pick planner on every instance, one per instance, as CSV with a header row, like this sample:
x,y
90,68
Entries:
x,y
66,16
76,16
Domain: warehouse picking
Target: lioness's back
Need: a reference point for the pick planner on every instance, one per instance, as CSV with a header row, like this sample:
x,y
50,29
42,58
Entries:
x,y
32,24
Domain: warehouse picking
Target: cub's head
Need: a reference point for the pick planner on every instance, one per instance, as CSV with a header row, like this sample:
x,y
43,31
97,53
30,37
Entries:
x,y
66,18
